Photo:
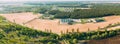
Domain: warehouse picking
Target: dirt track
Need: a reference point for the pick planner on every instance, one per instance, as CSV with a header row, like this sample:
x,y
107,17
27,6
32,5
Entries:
x,y
54,26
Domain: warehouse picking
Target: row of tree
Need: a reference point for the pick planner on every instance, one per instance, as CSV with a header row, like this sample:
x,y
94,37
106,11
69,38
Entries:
x,y
54,38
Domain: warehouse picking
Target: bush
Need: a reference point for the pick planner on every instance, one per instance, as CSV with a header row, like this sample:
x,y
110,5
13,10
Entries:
x,y
1,35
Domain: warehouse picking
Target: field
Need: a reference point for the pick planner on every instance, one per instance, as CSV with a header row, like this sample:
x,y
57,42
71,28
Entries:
x,y
54,26
113,40
19,18
60,22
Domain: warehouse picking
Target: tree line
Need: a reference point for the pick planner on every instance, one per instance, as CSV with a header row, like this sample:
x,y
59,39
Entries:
x,y
11,31
98,10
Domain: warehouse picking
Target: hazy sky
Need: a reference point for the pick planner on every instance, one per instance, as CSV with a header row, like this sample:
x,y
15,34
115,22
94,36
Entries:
x,y
59,0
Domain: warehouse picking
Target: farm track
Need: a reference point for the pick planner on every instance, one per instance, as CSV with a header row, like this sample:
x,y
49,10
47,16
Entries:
x,y
30,20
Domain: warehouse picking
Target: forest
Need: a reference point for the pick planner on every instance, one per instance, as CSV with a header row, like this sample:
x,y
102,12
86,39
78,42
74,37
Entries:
x,y
98,10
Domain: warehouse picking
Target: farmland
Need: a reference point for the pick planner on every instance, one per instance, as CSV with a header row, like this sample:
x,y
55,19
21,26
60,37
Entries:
x,y
59,22
25,35
54,25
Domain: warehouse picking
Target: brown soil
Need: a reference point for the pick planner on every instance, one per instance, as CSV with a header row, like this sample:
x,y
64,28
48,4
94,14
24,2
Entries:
x,y
113,40
54,26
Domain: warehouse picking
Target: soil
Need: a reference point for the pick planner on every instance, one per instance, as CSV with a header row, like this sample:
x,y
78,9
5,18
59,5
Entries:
x,y
54,26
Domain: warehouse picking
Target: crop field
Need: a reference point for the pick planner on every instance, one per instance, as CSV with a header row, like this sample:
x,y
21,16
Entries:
x,y
113,40
54,26
59,22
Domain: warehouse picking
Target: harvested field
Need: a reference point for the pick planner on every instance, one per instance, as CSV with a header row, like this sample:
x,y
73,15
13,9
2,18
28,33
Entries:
x,y
113,40
19,18
54,25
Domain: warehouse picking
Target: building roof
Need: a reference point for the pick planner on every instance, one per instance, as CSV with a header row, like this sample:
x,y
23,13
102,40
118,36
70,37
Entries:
x,y
66,20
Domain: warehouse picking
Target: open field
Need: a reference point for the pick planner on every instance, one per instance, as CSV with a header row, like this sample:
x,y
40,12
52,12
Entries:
x,y
54,25
19,18
112,40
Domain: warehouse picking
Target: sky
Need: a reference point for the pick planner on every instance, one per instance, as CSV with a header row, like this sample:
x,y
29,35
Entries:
x,y
58,0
